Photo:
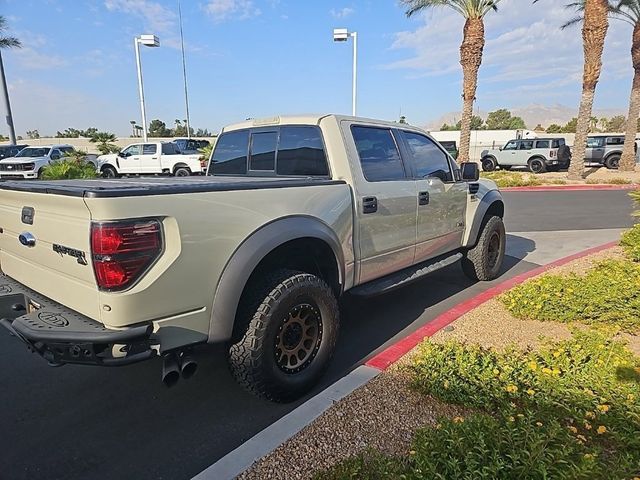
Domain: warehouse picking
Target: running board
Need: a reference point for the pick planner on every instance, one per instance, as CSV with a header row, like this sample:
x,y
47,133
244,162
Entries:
x,y
403,277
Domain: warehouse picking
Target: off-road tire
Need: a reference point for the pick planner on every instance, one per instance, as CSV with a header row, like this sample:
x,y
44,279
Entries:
x,y
489,164
109,172
483,262
536,165
612,162
252,358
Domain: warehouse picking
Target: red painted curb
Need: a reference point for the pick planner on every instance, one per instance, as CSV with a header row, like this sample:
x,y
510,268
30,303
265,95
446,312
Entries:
x,y
392,354
574,188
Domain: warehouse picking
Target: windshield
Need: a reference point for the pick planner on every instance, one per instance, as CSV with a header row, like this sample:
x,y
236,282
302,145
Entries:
x,y
33,152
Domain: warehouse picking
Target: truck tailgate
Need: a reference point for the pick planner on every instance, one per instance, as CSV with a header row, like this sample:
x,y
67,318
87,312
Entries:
x,y
58,265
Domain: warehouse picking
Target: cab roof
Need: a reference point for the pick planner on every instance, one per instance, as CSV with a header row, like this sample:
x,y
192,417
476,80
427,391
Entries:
x,y
310,119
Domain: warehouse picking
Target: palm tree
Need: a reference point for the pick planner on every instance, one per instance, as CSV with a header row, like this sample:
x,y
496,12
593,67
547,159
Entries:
x,y
471,50
105,142
629,11
7,42
594,15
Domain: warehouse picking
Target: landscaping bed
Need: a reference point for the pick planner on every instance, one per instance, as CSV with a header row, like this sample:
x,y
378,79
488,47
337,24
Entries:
x,y
593,176
531,384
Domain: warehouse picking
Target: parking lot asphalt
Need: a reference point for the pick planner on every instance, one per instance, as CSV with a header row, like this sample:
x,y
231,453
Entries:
x,y
82,422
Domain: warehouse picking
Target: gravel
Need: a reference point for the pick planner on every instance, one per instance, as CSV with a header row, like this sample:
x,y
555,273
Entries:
x,y
385,413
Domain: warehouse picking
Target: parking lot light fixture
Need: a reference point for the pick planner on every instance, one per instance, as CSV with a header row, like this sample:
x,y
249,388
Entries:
x,y
343,35
147,41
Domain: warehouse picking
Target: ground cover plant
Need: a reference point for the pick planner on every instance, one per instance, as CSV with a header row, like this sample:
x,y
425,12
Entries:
x,y
569,410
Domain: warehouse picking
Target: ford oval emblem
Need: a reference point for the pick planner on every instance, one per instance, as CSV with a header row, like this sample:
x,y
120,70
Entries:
x,y
27,239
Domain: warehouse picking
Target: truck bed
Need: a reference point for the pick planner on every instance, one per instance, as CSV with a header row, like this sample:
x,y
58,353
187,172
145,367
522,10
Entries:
x,y
138,187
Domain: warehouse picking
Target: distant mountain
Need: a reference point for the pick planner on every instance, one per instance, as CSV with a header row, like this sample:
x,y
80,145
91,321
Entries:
x,y
532,115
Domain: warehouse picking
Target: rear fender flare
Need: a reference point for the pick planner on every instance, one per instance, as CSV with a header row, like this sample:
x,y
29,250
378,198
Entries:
x,y
247,257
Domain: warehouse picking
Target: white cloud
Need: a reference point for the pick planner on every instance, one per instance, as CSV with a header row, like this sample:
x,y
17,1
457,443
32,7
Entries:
x,y
31,56
157,16
342,12
526,49
221,10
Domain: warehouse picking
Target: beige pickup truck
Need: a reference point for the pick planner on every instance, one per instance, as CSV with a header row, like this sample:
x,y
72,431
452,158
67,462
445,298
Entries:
x,y
294,213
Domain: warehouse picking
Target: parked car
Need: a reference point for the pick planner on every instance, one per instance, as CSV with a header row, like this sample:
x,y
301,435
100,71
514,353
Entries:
x,y
294,213
537,154
149,158
7,151
30,161
605,150
190,146
451,147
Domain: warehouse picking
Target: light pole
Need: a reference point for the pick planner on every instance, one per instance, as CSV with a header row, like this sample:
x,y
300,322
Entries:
x,y
343,35
184,74
148,41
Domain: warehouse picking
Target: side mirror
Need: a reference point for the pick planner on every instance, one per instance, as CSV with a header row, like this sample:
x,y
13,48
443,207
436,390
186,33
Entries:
x,y
470,171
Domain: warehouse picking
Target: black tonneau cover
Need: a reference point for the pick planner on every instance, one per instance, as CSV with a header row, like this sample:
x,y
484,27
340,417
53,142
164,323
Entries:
x,y
136,187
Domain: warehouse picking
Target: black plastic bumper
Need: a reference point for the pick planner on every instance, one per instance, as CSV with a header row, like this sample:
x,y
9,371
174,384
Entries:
x,y
61,335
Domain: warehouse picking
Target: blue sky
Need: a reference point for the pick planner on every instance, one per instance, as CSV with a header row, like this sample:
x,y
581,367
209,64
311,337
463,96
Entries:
x,y
253,58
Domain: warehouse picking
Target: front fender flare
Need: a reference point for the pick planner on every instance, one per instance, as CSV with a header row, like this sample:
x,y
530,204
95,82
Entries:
x,y
247,257
488,199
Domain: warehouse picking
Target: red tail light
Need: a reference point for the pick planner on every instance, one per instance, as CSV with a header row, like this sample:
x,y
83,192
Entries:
x,y
122,252
552,154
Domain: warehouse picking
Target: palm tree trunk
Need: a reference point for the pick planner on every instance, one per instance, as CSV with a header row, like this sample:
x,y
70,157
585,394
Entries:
x,y
470,59
628,159
594,31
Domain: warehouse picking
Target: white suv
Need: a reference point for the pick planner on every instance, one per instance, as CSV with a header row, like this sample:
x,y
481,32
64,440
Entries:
x,y
537,154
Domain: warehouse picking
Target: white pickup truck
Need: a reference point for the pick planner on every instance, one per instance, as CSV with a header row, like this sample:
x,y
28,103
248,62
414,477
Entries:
x,y
294,213
30,162
148,159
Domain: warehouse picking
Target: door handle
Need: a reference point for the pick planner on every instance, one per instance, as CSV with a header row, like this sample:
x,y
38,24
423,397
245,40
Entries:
x,y
154,158
423,198
369,205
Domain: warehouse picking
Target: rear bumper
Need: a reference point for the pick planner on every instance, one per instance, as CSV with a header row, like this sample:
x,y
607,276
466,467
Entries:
x,y
61,335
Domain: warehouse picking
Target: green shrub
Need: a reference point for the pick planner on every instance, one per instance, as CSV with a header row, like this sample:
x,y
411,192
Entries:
x,y
607,294
67,169
630,241
511,179
570,410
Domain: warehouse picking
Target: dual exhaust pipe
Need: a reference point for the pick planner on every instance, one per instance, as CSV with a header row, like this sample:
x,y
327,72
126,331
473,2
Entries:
x,y
176,364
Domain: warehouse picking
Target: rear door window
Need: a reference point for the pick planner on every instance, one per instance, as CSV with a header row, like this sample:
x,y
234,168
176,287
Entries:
x,y
301,152
542,144
230,154
263,151
557,143
615,141
378,152
526,145
429,160
149,149
595,142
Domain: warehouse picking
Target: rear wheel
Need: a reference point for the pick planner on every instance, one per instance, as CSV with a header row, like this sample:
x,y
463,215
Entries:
x,y
182,172
290,337
612,162
536,165
484,261
489,164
